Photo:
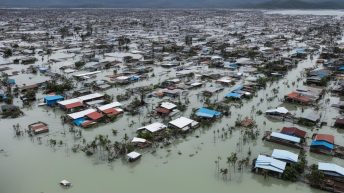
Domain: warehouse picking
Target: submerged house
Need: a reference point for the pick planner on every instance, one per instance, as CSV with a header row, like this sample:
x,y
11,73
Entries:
x,y
309,119
38,127
285,156
331,170
133,156
339,123
140,142
237,92
323,144
111,109
183,124
212,90
231,66
73,104
85,118
152,128
299,53
53,99
293,131
318,77
207,113
280,113
283,139
274,167
297,97
225,81
165,108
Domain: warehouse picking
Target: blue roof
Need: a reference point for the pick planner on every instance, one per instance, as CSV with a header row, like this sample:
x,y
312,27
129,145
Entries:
x,y
43,69
320,73
238,87
79,121
300,50
204,112
134,78
11,81
230,65
341,68
322,143
233,95
53,97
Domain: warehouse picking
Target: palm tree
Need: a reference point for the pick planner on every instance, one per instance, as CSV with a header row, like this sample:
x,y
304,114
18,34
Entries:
x,y
233,159
218,163
224,173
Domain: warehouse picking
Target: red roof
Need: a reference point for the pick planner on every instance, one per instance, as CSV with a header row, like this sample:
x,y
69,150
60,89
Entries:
x,y
298,97
325,137
111,111
294,131
340,121
95,116
87,123
162,110
73,105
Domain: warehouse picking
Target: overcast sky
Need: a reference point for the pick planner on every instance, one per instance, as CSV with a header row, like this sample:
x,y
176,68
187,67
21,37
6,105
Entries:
x,y
140,3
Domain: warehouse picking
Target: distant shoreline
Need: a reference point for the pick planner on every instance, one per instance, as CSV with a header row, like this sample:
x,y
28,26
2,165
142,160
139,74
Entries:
x,y
173,8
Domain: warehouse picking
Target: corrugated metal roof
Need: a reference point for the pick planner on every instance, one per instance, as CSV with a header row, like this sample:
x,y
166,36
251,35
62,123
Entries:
x,y
182,122
73,105
81,113
133,155
325,137
204,112
269,163
285,137
285,155
168,105
69,101
322,143
110,105
90,96
330,167
281,110
138,140
154,127
94,116
294,131
53,97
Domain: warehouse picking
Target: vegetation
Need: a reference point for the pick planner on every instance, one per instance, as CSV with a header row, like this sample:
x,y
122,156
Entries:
x,y
79,64
315,177
53,86
7,53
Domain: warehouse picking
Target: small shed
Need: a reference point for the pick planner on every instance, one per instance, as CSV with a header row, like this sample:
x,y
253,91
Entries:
x,y
133,156
65,183
38,127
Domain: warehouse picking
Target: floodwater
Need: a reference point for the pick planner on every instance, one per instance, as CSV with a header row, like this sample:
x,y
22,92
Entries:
x,y
331,12
29,167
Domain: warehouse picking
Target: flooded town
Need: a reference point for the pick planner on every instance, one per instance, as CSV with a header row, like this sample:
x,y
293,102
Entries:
x,y
171,100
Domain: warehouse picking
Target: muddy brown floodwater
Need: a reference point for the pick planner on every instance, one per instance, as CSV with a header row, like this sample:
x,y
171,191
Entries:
x,y
187,165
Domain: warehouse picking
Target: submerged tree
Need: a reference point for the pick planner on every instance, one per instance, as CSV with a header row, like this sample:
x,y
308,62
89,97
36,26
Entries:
x,y
315,177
